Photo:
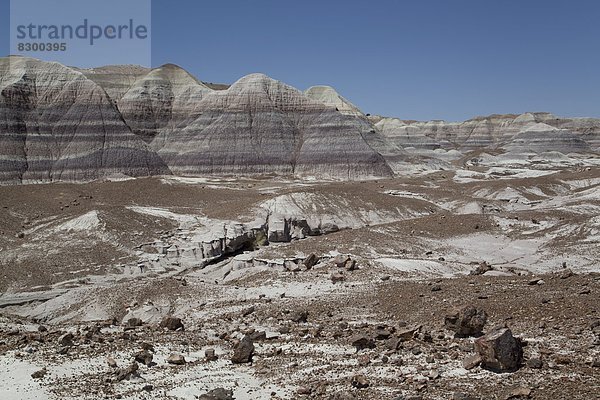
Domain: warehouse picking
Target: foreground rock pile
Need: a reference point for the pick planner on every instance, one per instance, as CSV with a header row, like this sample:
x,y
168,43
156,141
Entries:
x,y
275,339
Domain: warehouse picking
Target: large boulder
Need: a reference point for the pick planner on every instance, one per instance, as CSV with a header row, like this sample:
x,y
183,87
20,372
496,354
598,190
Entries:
x,y
500,351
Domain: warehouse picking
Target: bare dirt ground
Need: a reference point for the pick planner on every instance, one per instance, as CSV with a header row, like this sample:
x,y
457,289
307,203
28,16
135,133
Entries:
x,y
107,262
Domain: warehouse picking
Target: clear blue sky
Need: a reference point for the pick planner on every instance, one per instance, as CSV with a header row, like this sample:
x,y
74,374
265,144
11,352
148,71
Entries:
x,y
425,59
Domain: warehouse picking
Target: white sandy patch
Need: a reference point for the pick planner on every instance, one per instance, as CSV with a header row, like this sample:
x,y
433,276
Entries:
x,y
84,223
16,382
425,267
500,250
164,213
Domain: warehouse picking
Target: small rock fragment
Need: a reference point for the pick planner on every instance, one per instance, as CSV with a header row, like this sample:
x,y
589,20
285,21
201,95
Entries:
x,y
360,381
210,355
471,362
520,392
299,316
481,269
243,351
66,340
310,261
133,322
468,321
337,277
217,394
172,323
127,373
176,359
248,311
144,357
39,374
362,342
535,363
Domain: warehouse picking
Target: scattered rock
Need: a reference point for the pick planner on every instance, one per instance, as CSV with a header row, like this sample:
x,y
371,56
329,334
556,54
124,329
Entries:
x,y
340,260
144,357
481,269
258,336
127,373
382,333
337,277
39,374
471,362
408,333
520,392
217,394
360,381
66,340
176,359
310,261
243,351
172,324
500,351
210,355
535,363
304,390
566,274
248,311
134,322
351,265
299,316
362,342
111,362
468,321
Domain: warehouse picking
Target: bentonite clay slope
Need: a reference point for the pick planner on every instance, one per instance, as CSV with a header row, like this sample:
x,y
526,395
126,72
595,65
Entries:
x,y
116,80
161,101
491,132
260,125
328,95
55,124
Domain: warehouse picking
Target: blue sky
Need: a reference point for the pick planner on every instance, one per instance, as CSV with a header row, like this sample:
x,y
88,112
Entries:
x,y
426,59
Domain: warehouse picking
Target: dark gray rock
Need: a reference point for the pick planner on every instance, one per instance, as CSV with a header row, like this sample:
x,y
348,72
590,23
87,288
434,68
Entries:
x,y
468,321
144,357
243,351
362,342
500,351
217,394
172,324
